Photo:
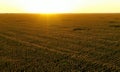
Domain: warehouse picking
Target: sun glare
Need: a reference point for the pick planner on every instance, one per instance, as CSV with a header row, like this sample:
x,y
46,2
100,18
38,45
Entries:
x,y
48,6
59,6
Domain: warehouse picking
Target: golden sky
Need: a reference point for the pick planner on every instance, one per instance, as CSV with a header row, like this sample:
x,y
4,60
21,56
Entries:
x,y
59,6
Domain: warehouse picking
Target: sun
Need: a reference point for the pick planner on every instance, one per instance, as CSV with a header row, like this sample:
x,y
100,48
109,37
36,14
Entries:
x,y
48,6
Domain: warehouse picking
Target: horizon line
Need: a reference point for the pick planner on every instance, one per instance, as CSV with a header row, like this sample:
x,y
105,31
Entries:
x,y
63,13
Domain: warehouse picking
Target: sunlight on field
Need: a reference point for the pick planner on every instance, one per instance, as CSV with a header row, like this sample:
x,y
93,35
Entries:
x,y
60,43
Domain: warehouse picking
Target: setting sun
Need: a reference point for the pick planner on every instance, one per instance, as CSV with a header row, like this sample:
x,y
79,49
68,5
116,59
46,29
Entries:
x,y
59,6
48,6
59,35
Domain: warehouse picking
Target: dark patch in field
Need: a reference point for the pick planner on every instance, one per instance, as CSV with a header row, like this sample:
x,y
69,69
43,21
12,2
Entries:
x,y
115,26
116,18
113,22
80,29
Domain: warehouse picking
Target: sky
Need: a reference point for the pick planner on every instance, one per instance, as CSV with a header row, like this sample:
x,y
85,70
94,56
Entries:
x,y
59,6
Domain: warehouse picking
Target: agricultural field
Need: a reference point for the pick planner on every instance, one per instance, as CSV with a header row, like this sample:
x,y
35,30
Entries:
x,y
60,43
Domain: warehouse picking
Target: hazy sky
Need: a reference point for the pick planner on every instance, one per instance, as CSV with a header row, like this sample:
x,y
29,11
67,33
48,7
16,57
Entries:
x,y
60,6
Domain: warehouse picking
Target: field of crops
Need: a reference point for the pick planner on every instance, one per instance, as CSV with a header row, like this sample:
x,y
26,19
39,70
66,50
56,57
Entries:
x,y
60,43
